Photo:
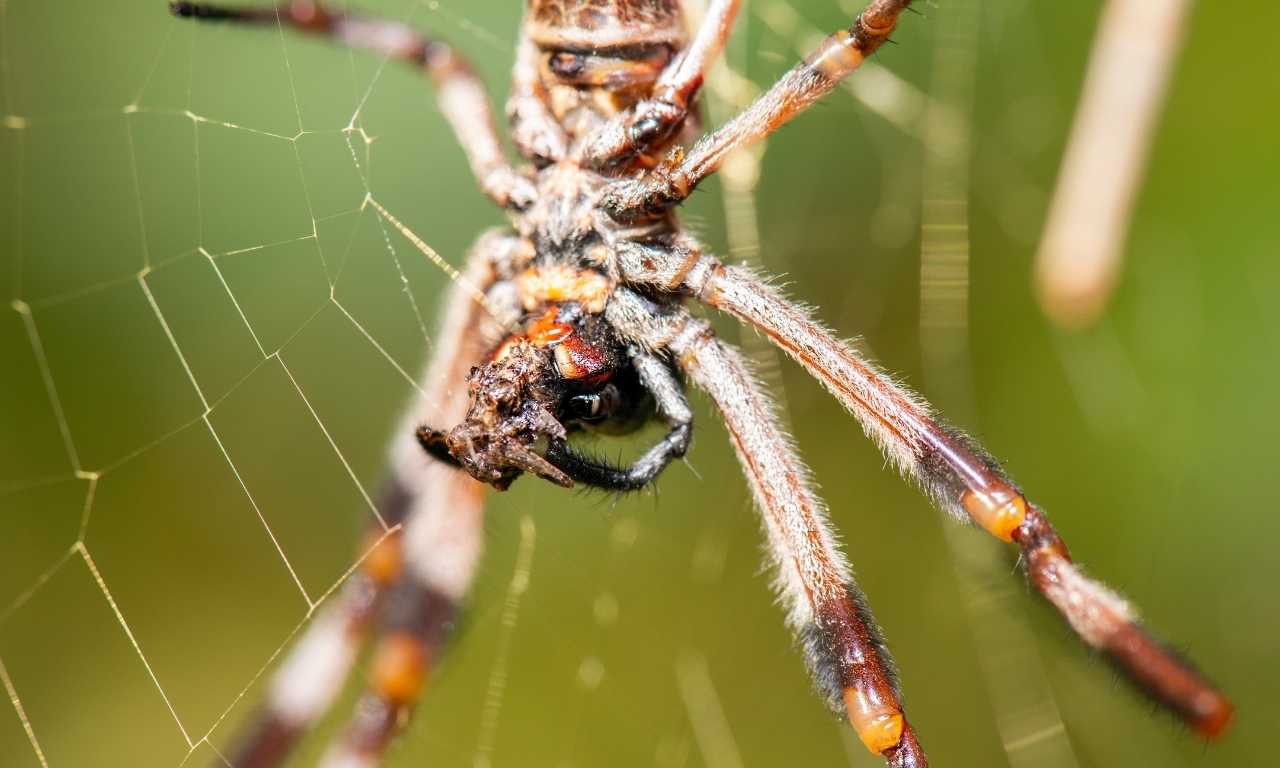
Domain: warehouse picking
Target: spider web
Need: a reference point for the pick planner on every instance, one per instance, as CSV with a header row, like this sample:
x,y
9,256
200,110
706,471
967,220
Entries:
x,y
217,314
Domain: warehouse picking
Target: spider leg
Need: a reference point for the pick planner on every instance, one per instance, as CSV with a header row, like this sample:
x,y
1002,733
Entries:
x,y
846,656
442,541
656,377
652,121
534,130
461,93
954,470
841,53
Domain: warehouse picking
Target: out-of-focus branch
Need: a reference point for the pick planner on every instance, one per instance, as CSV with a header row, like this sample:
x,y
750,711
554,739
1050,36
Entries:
x,y
1088,223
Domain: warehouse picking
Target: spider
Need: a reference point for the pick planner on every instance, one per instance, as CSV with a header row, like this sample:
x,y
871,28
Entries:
x,y
574,319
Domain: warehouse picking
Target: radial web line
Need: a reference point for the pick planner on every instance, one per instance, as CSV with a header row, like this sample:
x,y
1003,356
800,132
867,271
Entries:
x,y
39,582
381,350
5,81
173,342
288,68
431,254
151,72
19,180
66,297
102,585
262,518
395,257
197,119
263,246
22,714
288,640
311,213
134,453
234,302
516,589
36,482
702,704
332,444
137,188
51,390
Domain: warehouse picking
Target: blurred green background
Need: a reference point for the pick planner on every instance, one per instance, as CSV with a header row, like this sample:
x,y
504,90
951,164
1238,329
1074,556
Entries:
x,y
134,144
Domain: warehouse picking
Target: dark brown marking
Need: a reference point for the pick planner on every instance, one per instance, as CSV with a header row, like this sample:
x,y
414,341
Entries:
x,y
268,744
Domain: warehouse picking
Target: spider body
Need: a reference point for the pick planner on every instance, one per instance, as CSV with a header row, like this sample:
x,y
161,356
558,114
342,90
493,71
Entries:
x,y
574,318
565,371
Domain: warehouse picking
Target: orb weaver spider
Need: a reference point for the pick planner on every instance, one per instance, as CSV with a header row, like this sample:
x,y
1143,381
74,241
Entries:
x,y
574,319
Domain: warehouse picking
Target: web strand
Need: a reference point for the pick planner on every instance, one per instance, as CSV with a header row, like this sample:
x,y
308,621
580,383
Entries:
x,y
152,264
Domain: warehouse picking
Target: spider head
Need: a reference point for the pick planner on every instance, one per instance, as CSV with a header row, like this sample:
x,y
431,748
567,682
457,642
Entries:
x,y
565,371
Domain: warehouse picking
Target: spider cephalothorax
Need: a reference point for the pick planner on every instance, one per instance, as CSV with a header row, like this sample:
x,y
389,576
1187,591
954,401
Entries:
x,y
565,371
595,272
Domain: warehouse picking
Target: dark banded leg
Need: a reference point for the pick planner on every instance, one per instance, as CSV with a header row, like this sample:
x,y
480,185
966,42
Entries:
x,y
960,476
674,409
442,546
460,92
841,53
846,656
653,121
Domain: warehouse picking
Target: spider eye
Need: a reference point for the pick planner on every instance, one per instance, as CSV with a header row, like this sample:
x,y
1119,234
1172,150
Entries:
x,y
594,406
646,130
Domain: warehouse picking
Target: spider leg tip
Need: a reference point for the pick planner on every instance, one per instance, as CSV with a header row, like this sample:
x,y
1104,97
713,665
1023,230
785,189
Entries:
x,y
1218,714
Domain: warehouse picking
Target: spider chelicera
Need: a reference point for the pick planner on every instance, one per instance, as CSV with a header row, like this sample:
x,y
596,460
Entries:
x,y
573,318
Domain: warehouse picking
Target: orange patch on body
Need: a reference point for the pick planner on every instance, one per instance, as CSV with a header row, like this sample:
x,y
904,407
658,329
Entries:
x,y
559,282
399,668
385,560
547,331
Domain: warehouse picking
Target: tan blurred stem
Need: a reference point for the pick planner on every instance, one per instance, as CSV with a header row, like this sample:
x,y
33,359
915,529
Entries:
x,y
1129,68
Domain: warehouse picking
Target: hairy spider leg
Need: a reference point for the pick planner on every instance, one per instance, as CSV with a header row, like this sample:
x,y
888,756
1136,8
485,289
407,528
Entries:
x,y
846,655
651,122
657,378
534,130
961,477
460,92
839,54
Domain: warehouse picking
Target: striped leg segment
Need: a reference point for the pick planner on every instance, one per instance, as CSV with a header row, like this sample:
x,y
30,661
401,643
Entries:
x,y
652,122
797,90
952,468
442,543
847,658
460,92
